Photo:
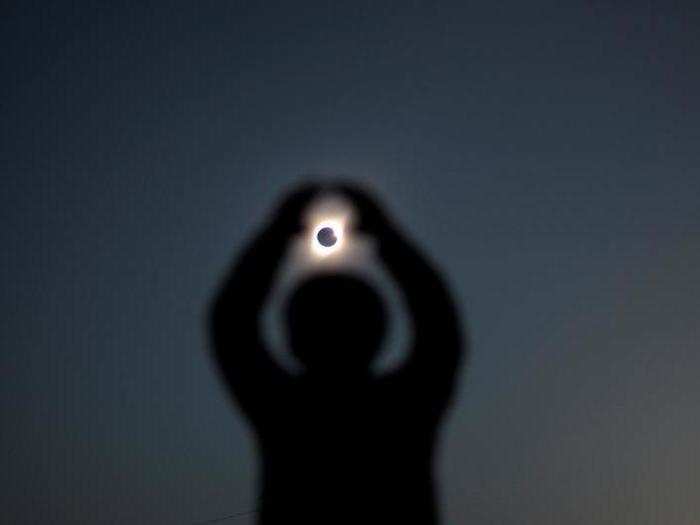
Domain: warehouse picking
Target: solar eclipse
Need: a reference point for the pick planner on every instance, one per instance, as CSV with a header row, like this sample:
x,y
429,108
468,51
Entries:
x,y
327,237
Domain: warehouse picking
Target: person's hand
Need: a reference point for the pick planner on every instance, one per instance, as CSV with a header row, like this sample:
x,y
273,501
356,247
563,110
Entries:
x,y
371,219
289,216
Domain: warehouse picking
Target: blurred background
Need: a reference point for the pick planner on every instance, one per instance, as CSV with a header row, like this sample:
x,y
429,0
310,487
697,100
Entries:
x,y
547,156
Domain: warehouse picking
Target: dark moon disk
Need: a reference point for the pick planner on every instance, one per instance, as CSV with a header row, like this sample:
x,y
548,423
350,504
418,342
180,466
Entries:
x,y
326,236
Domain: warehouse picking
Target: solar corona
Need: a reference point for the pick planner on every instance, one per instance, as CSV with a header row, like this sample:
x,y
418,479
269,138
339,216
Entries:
x,y
327,237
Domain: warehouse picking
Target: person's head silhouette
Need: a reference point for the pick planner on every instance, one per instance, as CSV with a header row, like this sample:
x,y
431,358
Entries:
x,y
336,323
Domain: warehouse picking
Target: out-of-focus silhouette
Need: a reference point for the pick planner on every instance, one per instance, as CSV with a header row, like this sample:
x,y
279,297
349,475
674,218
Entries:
x,y
339,443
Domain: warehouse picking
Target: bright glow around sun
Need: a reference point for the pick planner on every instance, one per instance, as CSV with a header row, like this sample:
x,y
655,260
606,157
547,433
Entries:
x,y
337,227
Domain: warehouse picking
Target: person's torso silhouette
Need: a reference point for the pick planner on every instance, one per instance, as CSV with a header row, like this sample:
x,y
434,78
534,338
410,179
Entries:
x,y
339,444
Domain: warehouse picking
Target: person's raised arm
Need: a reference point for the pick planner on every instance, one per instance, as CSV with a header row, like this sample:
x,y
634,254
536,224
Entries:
x,y
250,372
437,339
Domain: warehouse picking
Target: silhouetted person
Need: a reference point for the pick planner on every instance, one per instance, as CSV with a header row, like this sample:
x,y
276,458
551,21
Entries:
x,y
338,443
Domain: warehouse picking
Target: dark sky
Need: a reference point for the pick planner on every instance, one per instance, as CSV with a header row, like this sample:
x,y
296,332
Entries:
x,y
547,156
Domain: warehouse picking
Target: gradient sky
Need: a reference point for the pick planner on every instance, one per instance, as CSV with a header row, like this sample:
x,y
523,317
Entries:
x,y
547,156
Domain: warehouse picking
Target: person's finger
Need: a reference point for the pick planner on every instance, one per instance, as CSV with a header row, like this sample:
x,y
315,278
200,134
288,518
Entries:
x,y
369,210
290,211
299,198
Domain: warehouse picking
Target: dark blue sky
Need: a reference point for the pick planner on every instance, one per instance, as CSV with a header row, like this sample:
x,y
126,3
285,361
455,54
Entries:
x,y
547,156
